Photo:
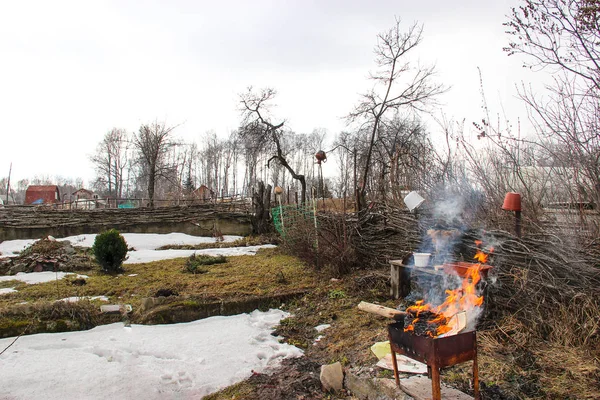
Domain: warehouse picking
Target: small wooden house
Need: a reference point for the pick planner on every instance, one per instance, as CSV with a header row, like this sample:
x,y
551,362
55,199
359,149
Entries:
x,y
84,194
203,193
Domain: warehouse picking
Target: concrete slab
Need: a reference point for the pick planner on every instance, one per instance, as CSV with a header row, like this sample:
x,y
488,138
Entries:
x,y
419,387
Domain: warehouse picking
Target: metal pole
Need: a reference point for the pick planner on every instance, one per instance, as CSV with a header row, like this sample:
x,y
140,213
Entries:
x,y
518,223
281,214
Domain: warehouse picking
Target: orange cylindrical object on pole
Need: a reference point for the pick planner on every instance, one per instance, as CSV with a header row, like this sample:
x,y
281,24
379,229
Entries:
x,y
512,202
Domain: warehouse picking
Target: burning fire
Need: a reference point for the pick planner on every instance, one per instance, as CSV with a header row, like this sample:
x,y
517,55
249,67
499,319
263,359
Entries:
x,y
464,298
480,255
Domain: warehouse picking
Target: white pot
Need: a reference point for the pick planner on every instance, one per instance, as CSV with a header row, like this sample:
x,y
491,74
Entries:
x,y
421,259
413,200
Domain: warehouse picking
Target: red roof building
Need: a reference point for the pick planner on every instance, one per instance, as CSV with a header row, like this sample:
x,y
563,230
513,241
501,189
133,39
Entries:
x,y
42,194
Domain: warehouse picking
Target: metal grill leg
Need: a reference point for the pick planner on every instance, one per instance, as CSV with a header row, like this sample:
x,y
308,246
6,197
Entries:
x,y
395,363
436,388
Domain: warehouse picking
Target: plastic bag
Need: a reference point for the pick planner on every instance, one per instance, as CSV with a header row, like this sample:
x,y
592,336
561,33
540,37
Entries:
x,y
380,349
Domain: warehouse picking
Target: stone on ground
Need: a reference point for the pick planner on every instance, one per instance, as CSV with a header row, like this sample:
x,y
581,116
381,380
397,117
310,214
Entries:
x,y
332,377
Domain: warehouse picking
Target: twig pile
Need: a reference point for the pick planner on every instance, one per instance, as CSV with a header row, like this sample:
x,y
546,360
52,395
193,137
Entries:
x,y
551,286
385,234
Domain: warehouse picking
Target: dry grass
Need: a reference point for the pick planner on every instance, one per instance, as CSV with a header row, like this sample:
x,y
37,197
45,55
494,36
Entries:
x,y
352,332
511,357
267,273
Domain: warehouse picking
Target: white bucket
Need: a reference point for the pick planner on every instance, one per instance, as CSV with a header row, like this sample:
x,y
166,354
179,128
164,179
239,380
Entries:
x,y
413,200
421,259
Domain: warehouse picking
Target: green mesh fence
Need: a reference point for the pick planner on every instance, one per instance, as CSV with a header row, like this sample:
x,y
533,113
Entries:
x,y
285,217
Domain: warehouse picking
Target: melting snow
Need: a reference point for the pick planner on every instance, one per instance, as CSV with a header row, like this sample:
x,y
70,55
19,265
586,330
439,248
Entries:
x,y
180,361
76,299
12,248
145,245
7,290
38,277
151,241
321,328
142,256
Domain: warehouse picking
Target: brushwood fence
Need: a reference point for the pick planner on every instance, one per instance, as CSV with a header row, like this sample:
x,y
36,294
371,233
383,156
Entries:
x,y
201,220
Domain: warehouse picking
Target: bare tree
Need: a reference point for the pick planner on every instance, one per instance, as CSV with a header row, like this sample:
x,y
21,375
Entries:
x,y
189,184
153,143
398,84
110,161
256,124
562,37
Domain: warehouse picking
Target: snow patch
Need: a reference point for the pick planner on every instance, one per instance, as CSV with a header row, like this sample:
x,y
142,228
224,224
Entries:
x,y
76,299
38,277
145,245
321,328
12,248
179,361
142,256
7,290
151,241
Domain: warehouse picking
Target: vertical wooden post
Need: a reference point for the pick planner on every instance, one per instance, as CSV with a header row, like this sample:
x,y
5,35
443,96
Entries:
x,y
395,279
355,182
518,223
400,279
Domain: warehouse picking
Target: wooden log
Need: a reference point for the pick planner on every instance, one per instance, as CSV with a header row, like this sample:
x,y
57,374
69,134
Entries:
x,y
381,310
396,276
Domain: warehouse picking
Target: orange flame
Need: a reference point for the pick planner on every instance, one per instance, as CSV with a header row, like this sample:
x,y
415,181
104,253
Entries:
x,y
464,298
480,255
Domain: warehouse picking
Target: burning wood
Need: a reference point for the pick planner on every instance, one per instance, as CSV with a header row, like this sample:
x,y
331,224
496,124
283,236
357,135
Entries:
x,y
424,319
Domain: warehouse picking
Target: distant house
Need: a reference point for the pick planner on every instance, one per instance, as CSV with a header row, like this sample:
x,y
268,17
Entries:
x,y
84,194
42,194
86,200
203,193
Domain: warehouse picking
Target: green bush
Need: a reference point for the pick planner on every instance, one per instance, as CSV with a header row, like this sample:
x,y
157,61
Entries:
x,y
110,250
194,263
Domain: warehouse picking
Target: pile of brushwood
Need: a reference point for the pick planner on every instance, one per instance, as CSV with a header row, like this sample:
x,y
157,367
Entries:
x,y
48,254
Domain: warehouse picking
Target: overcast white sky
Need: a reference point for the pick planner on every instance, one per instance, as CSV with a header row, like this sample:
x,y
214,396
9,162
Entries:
x,y
71,70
